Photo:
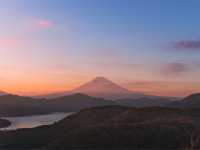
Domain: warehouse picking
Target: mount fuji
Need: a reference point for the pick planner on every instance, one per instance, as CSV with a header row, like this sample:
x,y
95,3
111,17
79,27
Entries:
x,y
99,87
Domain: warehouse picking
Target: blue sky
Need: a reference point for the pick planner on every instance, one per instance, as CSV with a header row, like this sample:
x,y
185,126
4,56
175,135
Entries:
x,y
72,41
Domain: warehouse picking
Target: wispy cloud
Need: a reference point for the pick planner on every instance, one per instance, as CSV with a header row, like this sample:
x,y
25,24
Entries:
x,y
43,24
174,69
186,45
38,24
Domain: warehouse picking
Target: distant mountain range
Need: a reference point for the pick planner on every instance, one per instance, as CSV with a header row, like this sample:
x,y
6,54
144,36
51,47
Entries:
x,y
145,102
76,102
103,91
102,88
192,101
2,93
13,105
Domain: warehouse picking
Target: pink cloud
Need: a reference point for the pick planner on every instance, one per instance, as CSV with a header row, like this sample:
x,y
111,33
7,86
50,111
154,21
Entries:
x,y
174,69
44,24
37,24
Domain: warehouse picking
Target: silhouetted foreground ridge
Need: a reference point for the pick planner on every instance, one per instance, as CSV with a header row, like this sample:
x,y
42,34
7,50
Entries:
x,y
113,127
4,123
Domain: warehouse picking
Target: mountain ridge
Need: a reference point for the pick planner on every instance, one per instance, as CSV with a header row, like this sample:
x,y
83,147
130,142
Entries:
x,y
14,105
98,87
191,101
2,93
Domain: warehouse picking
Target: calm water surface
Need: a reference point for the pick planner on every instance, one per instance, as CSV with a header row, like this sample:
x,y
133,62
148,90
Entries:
x,y
34,121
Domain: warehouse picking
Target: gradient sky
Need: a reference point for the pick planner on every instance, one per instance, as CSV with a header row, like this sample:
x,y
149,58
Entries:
x,y
55,45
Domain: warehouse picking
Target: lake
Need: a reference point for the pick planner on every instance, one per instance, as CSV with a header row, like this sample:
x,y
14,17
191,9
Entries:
x,y
34,121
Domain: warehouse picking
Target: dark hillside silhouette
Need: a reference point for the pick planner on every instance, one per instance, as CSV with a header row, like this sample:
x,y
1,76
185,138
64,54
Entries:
x,y
112,127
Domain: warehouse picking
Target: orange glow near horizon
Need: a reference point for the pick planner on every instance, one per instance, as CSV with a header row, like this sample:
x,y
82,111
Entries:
x,y
36,88
36,84
42,86
177,89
